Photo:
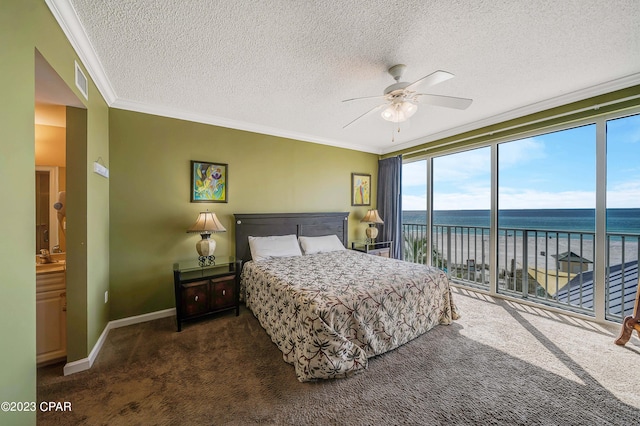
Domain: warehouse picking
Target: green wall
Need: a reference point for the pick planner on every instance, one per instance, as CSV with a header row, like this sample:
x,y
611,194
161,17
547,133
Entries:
x,y
150,209
17,245
27,25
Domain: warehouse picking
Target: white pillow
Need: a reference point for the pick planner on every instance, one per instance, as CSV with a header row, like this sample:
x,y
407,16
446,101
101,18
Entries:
x,y
312,245
274,246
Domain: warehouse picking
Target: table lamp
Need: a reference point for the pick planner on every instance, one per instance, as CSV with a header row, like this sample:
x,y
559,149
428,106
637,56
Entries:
x,y
372,218
206,223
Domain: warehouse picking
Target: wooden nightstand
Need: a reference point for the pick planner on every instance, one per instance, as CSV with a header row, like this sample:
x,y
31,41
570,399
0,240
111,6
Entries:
x,y
205,290
382,248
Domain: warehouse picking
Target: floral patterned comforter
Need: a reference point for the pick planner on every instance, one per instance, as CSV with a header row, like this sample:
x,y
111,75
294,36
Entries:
x,y
329,312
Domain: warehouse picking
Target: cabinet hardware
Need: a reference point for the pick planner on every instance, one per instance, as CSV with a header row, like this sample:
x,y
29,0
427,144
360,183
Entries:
x,y
196,298
224,292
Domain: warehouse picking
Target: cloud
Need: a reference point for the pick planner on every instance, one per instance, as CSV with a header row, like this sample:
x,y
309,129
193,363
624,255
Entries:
x,y
414,174
474,164
516,153
414,202
624,195
540,199
463,166
462,201
461,180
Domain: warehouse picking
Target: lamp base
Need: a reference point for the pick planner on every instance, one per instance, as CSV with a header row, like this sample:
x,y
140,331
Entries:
x,y
371,232
205,247
206,260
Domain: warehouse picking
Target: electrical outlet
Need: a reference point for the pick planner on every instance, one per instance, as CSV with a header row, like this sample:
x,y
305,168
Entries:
x,y
106,296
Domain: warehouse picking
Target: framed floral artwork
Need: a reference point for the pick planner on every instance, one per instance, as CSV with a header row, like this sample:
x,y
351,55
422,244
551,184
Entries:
x,y
209,182
360,189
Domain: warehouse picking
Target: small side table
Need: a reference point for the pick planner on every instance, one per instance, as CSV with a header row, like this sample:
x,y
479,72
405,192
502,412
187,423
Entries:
x,y
206,290
381,248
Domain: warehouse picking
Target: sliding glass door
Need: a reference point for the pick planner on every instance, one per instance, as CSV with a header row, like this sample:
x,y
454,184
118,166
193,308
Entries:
x,y
623,215
565,209
546,216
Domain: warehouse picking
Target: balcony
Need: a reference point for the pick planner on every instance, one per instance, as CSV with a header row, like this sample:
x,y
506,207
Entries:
x,y
554,268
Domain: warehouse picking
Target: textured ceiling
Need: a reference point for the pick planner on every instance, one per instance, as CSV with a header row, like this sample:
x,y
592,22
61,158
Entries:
x,y
282,67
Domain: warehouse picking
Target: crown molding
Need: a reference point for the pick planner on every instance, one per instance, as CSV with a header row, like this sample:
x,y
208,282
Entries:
x,y
67,18
234,124
578,95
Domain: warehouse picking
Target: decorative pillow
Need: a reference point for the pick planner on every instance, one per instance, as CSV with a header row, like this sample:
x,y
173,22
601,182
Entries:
x,y
274,246
311,245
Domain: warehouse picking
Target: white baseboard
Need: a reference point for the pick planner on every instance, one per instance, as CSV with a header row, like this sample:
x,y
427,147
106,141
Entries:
x,y
141,318
76,366
86,363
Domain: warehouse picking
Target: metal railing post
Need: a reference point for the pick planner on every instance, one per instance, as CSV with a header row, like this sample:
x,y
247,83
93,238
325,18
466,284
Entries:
x,y
525,262
449,251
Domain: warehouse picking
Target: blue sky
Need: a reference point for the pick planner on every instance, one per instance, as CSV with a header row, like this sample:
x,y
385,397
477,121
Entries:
x,y
555,170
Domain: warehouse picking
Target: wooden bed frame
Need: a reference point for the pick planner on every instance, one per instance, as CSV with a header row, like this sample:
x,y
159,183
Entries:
x,y
300,224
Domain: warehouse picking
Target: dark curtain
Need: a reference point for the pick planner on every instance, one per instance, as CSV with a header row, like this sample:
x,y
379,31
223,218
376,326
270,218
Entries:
x,y
390,203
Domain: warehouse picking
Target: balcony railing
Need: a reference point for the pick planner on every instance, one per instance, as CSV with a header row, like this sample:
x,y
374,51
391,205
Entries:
x,y
548,267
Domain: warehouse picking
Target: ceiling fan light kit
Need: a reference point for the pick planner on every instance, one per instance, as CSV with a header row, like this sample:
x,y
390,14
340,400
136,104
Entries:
x,y
398,112
401,98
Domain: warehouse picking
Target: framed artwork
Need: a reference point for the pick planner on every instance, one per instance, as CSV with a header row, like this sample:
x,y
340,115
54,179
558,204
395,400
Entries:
x,y
209,182
360,189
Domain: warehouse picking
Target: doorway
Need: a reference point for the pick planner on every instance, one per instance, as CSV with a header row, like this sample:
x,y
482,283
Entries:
x,y
57,286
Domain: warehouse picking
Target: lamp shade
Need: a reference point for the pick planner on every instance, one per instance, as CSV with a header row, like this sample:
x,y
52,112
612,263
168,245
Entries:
x,y
372,216
206,223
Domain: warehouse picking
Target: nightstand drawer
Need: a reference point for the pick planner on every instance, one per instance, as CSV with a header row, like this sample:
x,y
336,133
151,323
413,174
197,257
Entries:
x,y
195,300
223,291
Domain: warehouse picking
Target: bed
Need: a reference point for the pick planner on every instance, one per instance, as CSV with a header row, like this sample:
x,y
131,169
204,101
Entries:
x,y
330,311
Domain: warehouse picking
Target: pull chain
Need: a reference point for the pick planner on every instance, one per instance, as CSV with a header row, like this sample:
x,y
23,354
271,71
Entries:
x,y
393,136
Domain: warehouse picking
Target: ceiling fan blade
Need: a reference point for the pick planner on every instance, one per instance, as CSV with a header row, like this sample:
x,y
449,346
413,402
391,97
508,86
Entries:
x,y
431,79
444,101
365,97
374,109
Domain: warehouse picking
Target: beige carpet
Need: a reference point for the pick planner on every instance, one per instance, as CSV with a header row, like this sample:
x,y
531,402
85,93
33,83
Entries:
x,y
501,363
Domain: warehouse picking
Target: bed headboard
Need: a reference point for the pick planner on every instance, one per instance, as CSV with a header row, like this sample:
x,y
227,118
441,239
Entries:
x,y
300,224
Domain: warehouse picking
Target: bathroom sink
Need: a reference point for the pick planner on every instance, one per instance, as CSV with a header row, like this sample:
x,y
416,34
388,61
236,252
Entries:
x,y
54,266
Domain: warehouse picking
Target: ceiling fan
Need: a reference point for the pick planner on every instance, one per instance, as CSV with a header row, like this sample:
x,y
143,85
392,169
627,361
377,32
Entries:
x,y
401,99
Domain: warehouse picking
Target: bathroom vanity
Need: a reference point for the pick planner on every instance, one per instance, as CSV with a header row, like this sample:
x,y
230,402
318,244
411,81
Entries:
x,y
51,311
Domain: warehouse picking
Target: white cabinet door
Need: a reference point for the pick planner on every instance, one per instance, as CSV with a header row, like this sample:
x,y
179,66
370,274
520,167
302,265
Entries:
x,y
51,325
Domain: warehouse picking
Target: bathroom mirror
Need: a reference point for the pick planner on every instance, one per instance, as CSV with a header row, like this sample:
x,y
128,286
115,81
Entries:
x,y
50,222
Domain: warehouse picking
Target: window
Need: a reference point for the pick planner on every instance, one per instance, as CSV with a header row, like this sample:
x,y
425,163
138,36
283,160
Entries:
x,y
547,246
623,215
546,214
414,211
461,214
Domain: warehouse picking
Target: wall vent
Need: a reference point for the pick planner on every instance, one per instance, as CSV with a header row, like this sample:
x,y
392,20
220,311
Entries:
x,y
81,82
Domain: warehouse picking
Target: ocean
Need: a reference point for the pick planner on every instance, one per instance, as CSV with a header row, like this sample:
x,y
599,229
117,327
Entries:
x,y
622,221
